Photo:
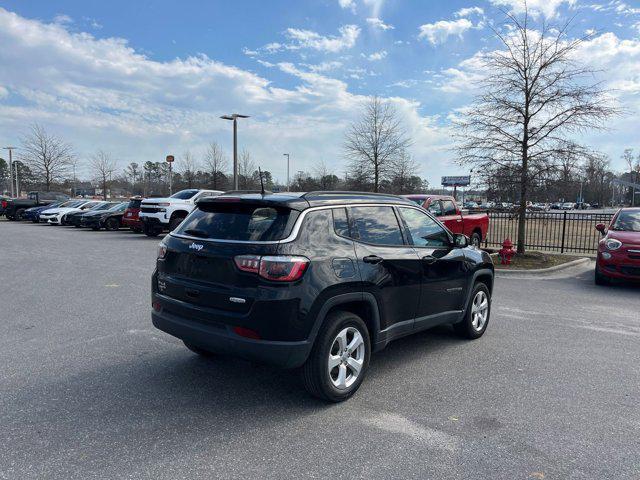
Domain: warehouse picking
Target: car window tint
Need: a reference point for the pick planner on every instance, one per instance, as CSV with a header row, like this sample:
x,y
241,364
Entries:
x,y
448,207
341,222
435,208
377,225
424,230
239,222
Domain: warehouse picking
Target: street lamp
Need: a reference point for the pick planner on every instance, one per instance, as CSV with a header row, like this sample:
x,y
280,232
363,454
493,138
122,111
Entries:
x,y
10,168
234,117
288,184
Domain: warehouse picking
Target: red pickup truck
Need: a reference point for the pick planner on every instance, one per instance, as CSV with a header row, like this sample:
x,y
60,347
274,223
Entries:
x,y
445,208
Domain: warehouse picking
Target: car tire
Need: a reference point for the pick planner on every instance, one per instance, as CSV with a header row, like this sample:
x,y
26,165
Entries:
x,y
35,220
476,240
76,225
198,350
477,313
95,229
338,380
175,221
600,279
19,214
112,224
150,230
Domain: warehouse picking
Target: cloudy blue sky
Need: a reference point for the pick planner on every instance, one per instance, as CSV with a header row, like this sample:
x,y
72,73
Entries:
x,y
141,79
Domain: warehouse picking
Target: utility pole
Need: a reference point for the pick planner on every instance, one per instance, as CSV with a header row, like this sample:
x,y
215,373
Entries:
x,y
170,159
234,117
288,182
10,168
17,181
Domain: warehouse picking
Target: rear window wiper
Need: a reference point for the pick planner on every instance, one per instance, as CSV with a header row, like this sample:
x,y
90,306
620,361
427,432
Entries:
x,y
196,233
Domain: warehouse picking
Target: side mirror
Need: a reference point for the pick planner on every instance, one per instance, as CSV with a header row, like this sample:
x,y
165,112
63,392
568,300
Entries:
x,y
460,240
601,227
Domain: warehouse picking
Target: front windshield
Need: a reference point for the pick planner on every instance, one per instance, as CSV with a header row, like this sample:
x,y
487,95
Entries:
x,y
119,207
72,204
184,194
102,206
628,221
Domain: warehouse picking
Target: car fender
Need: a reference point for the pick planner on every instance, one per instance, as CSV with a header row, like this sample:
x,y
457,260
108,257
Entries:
x,y
476,274
342,299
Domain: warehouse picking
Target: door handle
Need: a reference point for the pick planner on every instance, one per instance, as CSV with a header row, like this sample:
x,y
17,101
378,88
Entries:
x,y
429,259
372,259
191,293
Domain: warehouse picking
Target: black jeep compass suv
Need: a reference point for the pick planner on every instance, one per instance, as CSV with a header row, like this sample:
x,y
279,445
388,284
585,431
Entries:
x,y
317,280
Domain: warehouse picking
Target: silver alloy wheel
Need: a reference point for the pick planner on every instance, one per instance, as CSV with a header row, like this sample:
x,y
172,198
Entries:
x,y
475,241
479,311
346,358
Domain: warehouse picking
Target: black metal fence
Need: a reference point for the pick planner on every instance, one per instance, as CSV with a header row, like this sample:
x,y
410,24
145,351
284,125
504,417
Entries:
x,y
563,232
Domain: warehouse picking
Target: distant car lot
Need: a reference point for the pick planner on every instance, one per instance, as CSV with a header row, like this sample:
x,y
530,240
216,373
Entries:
x,y
91,390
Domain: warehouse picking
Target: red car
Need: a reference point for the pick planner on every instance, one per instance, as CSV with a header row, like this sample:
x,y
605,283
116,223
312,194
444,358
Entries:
x,y
474,226
619,248
130,218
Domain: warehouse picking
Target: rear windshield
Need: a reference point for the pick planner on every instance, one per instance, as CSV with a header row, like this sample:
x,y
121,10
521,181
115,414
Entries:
x,y
239,222
134,203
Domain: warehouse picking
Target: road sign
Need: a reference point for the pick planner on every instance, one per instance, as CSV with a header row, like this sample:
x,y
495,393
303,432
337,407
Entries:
x,y
460,181
170,158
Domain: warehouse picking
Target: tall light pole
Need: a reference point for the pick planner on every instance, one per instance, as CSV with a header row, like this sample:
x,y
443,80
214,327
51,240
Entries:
x,y
234,117
10,167
288,183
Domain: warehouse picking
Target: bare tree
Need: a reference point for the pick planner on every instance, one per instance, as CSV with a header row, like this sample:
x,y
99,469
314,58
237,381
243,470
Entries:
x,y
216,163
376,142
246,168
103,168
404,178
48,157
189,167
535,94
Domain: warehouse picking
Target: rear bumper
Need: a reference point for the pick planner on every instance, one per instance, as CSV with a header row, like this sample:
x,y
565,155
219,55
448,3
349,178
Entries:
x,y
131,222
220,338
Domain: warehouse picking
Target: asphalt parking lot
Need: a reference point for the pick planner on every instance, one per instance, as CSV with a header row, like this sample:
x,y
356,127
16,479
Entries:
x,y
89,389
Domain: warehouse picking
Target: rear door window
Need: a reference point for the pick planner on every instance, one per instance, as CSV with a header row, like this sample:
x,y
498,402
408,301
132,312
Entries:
x,y
239,222
436,208
448,207
341,222
134,203
376,225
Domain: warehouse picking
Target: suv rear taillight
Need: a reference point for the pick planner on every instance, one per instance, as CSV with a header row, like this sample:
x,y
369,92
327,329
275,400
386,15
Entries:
x,y
284,268
4,204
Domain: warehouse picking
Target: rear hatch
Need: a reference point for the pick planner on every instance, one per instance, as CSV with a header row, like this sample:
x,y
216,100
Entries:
x,y
200,266
133,209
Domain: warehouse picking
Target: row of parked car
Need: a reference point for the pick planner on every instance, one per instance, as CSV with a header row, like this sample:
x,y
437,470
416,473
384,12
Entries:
x,y
531,206
94,214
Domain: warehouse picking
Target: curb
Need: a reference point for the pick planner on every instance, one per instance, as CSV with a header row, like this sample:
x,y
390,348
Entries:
x,y
542,271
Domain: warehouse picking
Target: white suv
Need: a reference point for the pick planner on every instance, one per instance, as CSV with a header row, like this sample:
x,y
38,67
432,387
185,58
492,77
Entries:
x,y
157,214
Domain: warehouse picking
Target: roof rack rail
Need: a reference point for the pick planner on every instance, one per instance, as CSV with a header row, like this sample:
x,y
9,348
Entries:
x,y
266,192
346,192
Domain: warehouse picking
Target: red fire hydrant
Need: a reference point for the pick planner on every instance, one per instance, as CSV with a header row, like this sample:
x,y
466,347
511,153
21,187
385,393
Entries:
x,y
506,252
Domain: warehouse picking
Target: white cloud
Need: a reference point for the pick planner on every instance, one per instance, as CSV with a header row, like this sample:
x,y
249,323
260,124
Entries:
x,y
323,66
465,12
62,19
350,4
102,93
375,6
377,56
438,32
377,23
548,8
309,39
